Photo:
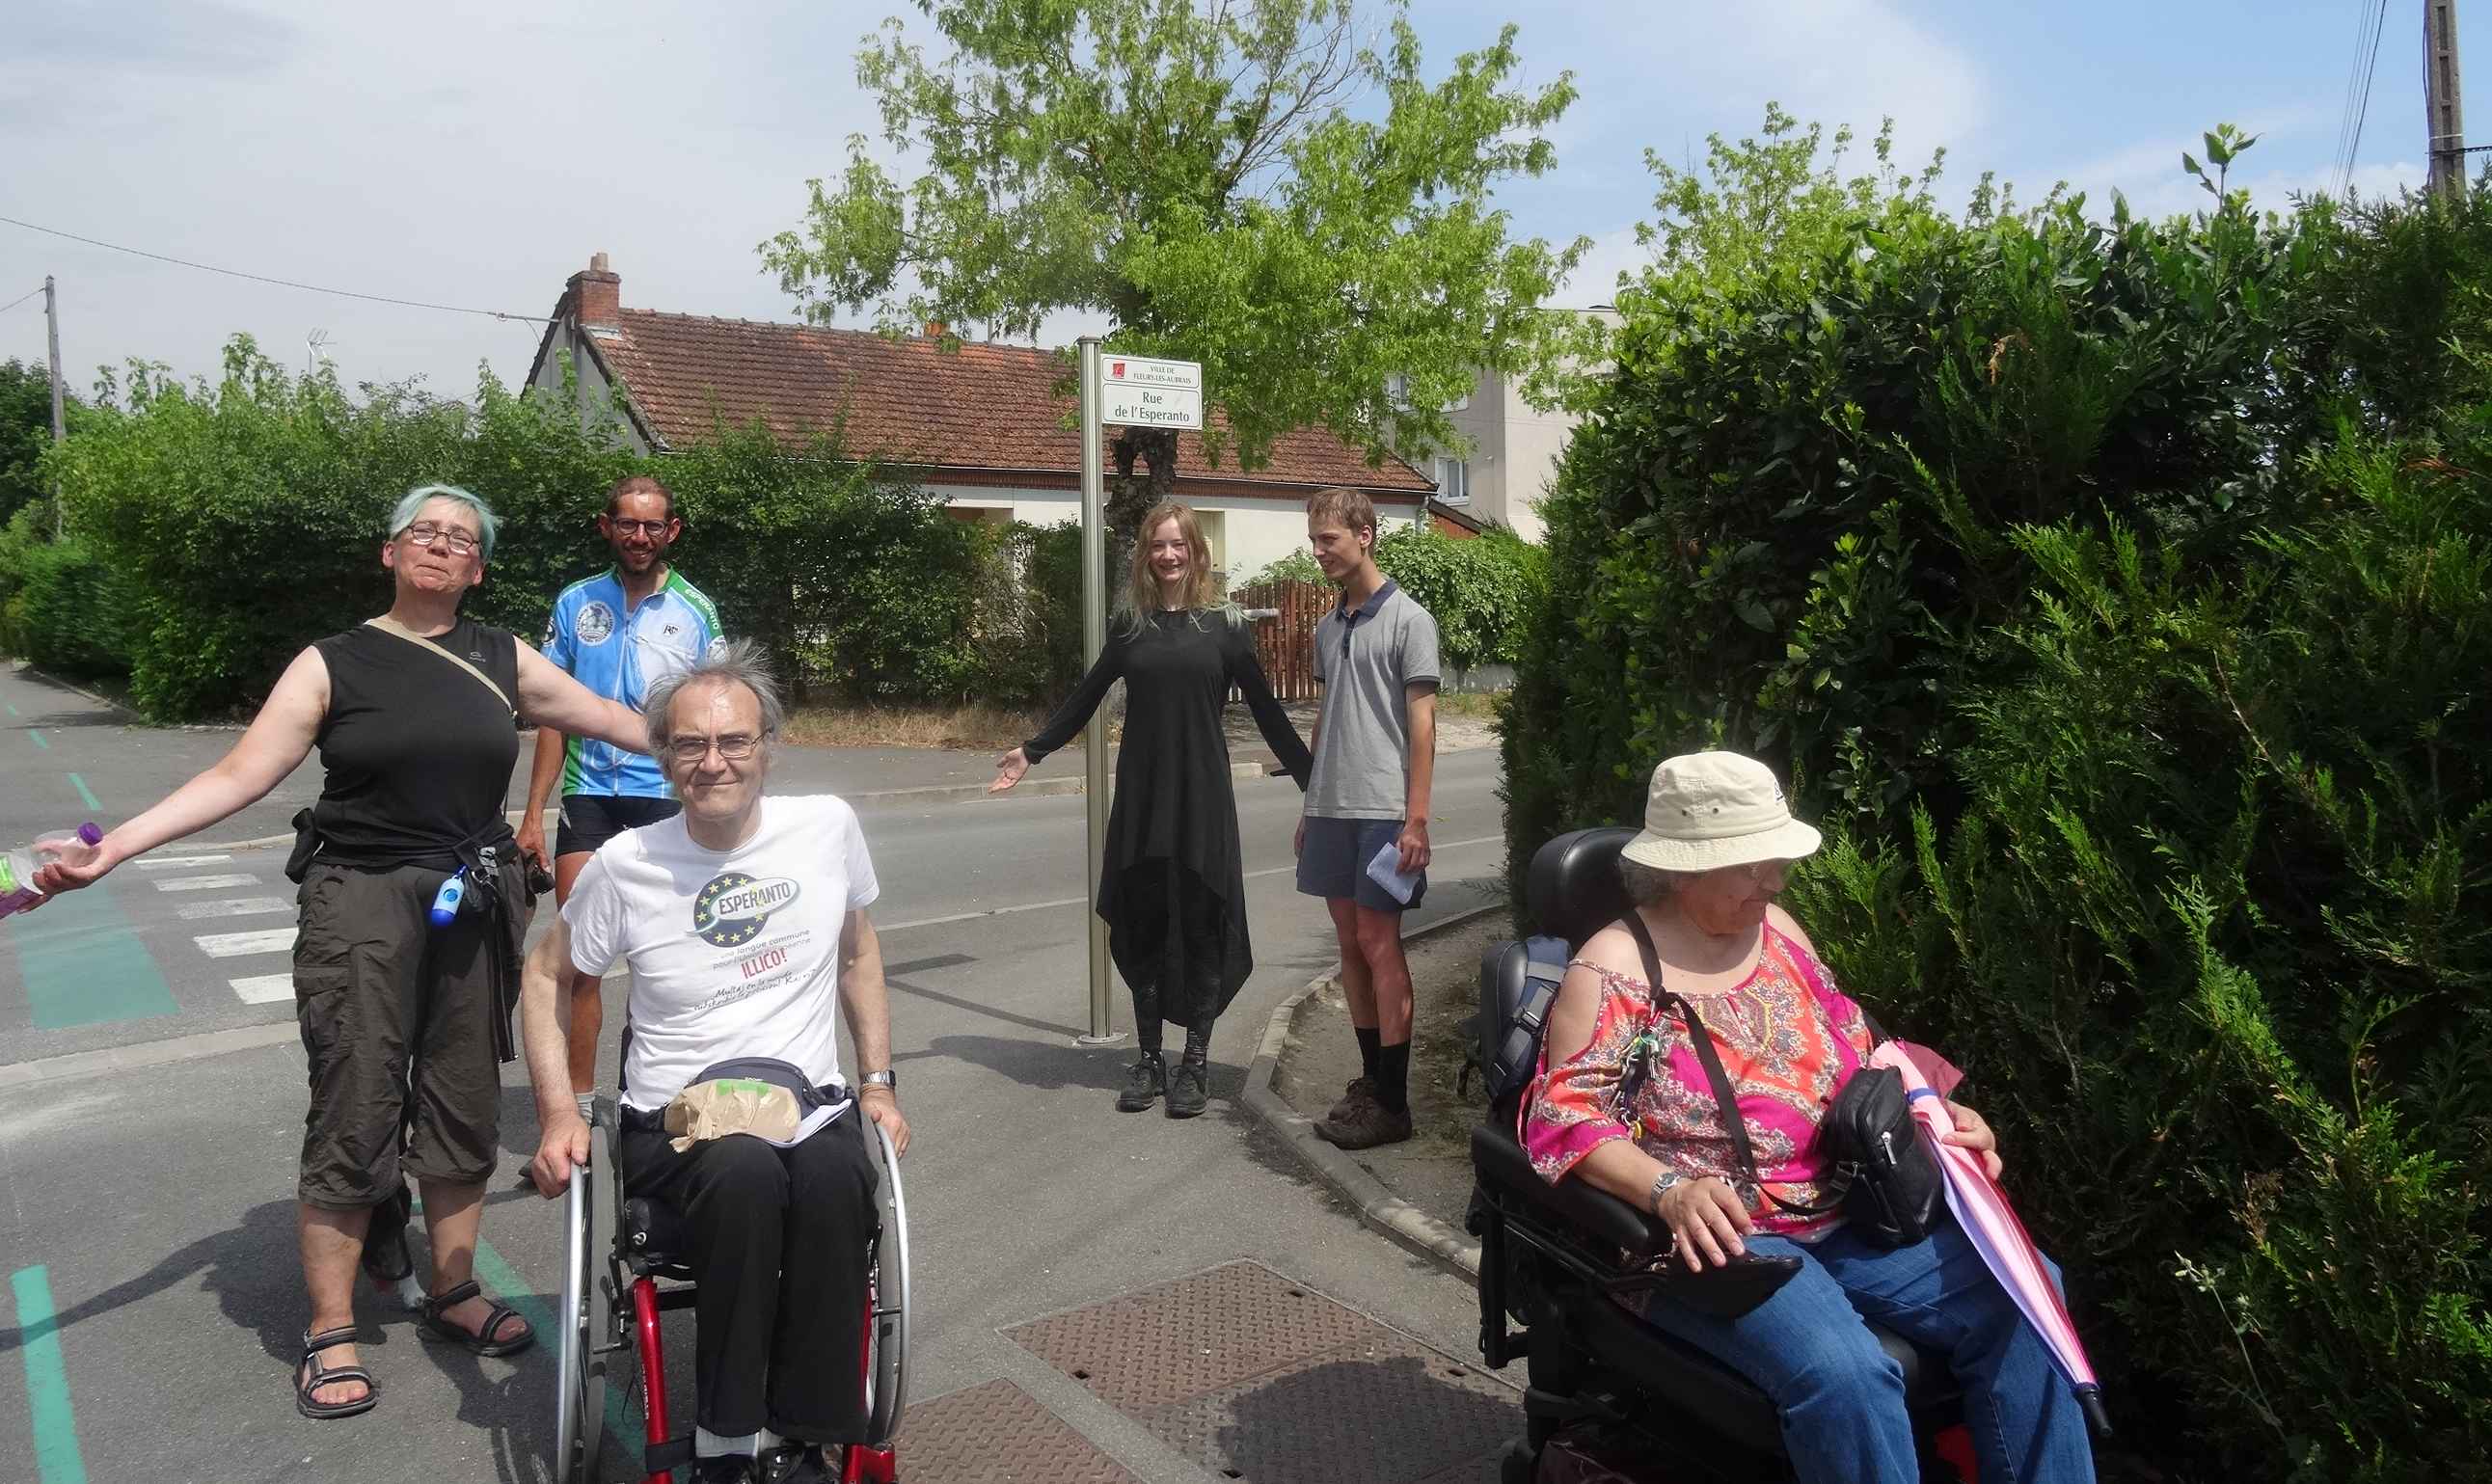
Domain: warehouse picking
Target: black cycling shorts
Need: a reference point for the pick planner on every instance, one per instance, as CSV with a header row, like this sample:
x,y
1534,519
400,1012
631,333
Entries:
x,y
590,820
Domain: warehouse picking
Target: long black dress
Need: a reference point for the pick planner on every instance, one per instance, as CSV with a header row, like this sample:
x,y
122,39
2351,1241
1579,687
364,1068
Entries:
x,y
1170,887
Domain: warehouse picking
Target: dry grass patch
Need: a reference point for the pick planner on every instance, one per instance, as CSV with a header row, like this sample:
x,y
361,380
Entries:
x,y
971,727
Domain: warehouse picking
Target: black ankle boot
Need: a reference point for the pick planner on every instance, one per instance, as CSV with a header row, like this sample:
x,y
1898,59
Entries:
x,y
1189,1090
1145,1080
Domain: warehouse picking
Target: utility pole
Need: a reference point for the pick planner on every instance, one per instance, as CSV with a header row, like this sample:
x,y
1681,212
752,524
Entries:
x,y
2444,113
60,423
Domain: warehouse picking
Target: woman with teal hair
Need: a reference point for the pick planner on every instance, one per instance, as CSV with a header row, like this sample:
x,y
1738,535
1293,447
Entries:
x,y
403,985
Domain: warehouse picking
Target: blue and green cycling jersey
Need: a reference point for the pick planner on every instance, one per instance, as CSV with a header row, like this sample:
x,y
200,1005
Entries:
x,y
619,657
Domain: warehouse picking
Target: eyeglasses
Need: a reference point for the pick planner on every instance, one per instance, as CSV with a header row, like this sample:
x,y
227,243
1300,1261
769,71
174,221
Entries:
x,y
734,747
653,530
1754,871
424,533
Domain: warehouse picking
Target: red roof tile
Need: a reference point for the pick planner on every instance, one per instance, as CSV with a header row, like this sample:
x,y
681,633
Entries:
x,y
979,406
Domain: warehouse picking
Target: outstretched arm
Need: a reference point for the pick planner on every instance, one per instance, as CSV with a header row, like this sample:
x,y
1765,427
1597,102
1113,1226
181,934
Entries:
x,y
1246,672
1069,718
279,737
549,697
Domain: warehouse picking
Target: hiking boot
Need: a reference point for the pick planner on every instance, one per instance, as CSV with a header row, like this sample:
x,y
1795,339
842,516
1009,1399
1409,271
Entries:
x,y
1365,1127
1360,1093
1145,1080
1188,1090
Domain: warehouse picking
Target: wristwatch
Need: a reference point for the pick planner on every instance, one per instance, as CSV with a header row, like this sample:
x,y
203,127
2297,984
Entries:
x,y
886,1078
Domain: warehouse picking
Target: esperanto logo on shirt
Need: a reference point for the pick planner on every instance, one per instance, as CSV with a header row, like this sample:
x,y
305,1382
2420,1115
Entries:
x,y
734,908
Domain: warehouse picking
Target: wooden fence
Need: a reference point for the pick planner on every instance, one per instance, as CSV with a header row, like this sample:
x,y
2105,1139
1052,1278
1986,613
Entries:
x,y
1284,640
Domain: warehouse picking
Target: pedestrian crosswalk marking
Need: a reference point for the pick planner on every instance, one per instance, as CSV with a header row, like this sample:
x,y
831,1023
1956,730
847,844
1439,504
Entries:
x,y
207,882
263,989
233,945
164,862
232,906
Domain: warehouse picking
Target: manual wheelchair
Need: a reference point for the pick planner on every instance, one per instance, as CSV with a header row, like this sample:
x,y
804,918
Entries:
x,y
624,1268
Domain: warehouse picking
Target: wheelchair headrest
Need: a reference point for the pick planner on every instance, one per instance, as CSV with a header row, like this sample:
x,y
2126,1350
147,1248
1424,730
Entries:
x,y
1573,890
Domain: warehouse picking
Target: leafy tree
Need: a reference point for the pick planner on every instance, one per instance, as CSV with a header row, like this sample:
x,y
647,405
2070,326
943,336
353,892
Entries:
x,y
1207,176
25,431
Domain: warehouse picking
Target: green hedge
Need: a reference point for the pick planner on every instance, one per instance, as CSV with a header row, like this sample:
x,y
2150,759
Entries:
x,y
2114,593
239,521
1481,590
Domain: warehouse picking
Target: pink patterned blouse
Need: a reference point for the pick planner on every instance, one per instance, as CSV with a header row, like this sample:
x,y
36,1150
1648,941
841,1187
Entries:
x,y
1787,1038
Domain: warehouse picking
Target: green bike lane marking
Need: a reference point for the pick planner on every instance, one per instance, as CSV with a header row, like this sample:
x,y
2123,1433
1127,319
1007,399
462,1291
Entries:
x,y
500,1278
85,794
57,1460
83,962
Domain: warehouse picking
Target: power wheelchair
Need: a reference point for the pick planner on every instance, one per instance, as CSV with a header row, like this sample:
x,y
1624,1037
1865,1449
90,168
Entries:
x,y
625,1267
1552,1257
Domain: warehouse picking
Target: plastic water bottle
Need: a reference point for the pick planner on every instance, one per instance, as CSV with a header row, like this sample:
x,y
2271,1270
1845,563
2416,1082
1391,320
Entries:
x,y
445,901
18,868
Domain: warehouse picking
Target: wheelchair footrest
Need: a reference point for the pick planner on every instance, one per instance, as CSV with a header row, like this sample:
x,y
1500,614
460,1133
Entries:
x,y
662,1457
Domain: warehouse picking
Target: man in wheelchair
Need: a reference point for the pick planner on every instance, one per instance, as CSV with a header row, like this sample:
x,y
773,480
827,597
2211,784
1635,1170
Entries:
x,y
743,920
1767,1289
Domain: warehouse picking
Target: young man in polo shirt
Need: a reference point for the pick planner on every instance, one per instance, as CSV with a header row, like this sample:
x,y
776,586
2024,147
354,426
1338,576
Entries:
x,y
618,632
1374,762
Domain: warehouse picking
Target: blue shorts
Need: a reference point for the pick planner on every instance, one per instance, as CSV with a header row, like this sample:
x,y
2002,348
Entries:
x,y
1333,862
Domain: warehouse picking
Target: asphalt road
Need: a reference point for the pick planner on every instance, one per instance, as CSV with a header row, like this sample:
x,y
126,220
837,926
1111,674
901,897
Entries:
x,y
151,1099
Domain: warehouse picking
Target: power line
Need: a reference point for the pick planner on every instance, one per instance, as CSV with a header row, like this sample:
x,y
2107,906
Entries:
x,y
262,278
20,299
2368,64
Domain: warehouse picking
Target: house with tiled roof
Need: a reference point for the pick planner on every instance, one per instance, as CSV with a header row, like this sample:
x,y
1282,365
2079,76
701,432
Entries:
x,y
981,425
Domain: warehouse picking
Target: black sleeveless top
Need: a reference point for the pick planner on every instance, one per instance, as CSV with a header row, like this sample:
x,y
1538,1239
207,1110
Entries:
x,y
419,756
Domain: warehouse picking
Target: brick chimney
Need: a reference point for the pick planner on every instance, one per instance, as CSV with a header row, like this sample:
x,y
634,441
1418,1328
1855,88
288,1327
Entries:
x,y
595,298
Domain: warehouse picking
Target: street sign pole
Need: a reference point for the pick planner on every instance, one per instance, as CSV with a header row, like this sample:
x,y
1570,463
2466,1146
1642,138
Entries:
x,y
1094,639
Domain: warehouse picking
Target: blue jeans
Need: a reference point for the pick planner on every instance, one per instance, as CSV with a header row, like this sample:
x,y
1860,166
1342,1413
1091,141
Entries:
x,y
1841,1397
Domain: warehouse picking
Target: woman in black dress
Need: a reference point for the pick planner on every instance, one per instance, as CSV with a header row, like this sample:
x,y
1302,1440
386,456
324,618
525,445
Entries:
x,y
1170,887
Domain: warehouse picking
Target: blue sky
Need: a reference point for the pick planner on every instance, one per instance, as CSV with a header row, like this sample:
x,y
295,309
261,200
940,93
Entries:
x,y
477,155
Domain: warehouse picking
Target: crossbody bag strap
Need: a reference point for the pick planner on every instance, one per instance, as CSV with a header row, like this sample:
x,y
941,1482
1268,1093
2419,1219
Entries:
x,y
396,630
1724,1098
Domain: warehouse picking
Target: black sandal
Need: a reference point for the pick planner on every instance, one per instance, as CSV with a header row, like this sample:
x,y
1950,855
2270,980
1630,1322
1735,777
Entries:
x,y
327,1375
433,1327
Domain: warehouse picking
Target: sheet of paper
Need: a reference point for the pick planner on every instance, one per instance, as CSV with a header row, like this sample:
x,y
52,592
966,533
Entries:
x,y
1385,871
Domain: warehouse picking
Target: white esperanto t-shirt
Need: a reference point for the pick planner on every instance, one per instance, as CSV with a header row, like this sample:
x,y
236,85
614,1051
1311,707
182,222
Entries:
x,y
733,952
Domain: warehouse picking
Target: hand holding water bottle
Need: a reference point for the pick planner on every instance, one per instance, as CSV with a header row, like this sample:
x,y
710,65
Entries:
x,y
29,876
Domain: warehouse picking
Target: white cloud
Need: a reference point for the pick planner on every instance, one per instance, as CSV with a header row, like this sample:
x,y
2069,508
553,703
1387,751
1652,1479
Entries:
x,y
1832,61
1596,278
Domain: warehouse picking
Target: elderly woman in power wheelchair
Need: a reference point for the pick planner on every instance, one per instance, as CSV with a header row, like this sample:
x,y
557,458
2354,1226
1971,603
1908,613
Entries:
x,y
1655,1205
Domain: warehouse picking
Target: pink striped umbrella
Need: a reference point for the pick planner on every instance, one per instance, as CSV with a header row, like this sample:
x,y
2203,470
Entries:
x,y
1981,1208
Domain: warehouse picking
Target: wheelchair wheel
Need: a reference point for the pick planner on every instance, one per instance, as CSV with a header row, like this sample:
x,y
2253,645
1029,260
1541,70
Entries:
x,y
887,1394
587,1323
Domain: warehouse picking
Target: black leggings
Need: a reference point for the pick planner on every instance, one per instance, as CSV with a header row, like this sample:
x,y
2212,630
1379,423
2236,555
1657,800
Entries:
x,y
778,1246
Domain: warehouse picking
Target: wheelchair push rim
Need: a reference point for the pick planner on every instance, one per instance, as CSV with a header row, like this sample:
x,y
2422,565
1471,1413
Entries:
x,y
579,1384
888,1323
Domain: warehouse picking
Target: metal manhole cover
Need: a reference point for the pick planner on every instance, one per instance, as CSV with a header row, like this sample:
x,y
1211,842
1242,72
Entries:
x,y
1191,1336
1387,1413
998,1433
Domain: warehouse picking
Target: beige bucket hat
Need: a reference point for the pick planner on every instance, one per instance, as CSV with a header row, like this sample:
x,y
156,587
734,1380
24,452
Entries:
x,y
1710,810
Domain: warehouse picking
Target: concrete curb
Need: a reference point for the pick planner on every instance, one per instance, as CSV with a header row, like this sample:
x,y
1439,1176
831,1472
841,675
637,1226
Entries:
x,y
106,702
935,793
1439,1242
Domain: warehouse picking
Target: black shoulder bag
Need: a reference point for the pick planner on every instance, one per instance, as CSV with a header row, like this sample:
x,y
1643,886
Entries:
x,y
1888,1183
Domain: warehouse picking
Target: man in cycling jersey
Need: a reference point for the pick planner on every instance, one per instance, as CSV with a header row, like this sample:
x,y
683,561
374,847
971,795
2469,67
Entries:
x,y
618,634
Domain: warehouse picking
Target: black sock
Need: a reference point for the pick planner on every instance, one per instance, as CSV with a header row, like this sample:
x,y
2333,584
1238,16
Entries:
x,y
1368,1045
1146,1018
1393,1076
1197,1044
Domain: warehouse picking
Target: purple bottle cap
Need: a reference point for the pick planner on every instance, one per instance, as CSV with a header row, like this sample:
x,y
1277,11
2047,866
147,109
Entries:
x,y
88,834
